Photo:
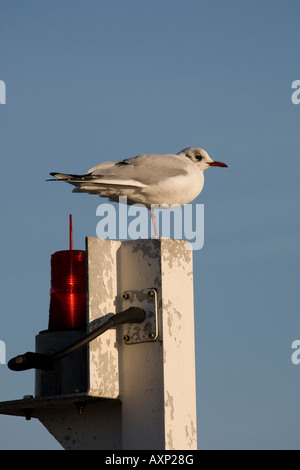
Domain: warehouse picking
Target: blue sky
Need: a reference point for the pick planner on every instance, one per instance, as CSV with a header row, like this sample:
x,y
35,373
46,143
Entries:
x,y
93,81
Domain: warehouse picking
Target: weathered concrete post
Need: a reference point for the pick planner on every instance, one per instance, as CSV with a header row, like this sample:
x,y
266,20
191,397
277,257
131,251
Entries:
x,y
140,378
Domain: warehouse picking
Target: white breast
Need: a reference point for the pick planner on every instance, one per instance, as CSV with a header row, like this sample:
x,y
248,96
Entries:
x,y
177,189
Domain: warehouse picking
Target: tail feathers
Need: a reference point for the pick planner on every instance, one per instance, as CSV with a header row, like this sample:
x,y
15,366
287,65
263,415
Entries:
x,y
67,177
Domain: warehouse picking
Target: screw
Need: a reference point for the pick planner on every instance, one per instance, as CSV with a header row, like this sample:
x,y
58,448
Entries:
x,y
126,338
152,335
28,413
125,296
151,293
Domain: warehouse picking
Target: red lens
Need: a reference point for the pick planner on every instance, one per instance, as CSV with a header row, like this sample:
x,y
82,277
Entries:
x,y
68,291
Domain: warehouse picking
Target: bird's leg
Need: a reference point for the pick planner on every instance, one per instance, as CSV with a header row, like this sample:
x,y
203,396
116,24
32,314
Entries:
x,y
154,223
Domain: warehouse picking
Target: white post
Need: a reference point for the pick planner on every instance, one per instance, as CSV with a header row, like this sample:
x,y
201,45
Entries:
x,y
157,379
140,377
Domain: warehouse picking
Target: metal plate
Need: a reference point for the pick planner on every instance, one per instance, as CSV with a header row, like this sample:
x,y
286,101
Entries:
x,y
29,407
148,330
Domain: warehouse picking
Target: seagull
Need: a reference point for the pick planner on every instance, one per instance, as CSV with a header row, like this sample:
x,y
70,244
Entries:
x,y
148,179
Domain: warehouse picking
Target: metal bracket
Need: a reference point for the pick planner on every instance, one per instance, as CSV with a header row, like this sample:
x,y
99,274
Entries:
x,y
148,330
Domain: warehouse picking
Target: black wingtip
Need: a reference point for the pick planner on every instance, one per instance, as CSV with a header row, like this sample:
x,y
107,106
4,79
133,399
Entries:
x,y
52,179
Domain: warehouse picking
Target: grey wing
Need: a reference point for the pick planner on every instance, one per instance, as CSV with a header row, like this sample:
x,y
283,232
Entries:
x,y
131,177
142,170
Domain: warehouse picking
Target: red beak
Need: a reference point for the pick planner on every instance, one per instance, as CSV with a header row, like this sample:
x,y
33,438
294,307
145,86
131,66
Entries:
x,y
218,164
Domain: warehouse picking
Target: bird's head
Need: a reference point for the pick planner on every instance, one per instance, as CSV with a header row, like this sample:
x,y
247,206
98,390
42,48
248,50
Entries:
x,y
200,157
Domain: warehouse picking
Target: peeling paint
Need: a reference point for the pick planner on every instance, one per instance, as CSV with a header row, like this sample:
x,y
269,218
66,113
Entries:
x,y
191,433
173,251
148,250
103,363
170,445
169,404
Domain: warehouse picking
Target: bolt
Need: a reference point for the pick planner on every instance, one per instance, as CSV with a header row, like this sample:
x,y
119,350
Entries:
x,y
126,338
28,413
152,335
151,293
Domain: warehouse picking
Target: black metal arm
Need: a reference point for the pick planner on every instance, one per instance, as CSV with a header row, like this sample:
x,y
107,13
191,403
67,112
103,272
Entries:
x,y
32,360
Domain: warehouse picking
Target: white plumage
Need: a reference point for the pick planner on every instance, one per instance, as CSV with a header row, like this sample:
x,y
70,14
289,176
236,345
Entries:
x,y
147,179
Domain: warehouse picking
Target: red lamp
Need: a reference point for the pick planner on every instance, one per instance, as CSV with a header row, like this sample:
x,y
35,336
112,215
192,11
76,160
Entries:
x,y
68,288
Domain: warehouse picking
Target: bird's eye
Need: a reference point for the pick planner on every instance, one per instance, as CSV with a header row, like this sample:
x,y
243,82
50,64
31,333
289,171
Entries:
x,y
199,157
